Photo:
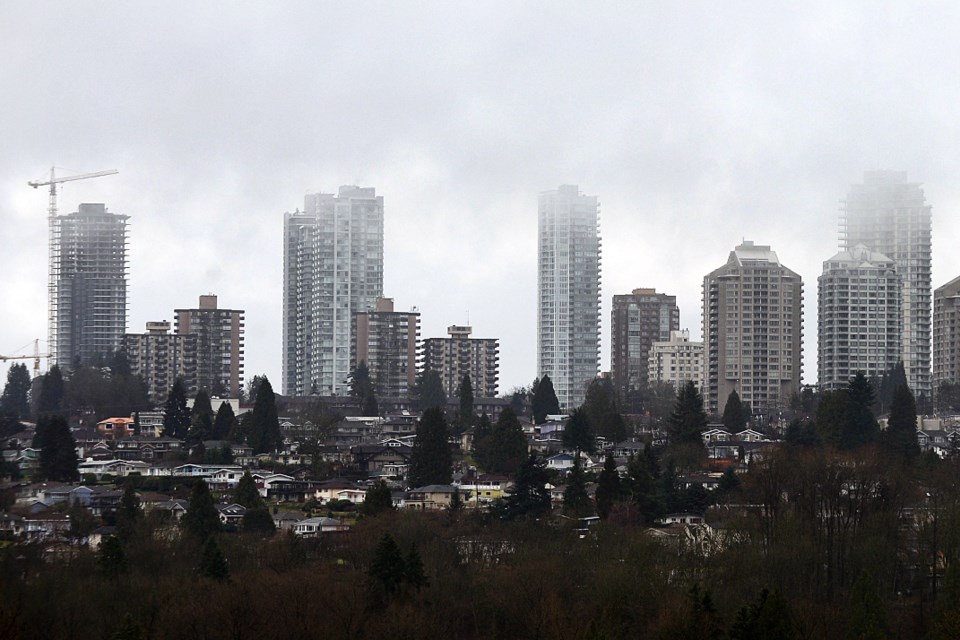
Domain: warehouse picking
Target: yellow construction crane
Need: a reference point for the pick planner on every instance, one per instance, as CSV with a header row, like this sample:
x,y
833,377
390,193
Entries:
x,y
53,247
36,357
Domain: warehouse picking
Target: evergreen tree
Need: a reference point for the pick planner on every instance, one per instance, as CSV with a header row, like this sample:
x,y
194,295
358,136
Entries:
x,y
502,446
900,438
111,559
128,515
766,619
361,389
176,416
15,400
889,383
801,433
213,564
429,392
201,419
52,391
602,411
253,387
831,416
544,400
483,442
258,520
465,395
645,486
735,416
58,449
867,612
576,502
413,573
201,519
246,493
613,427
578,432
688,419
530,494
377,499
431,460
265,431
388,567
224,423
608,487
860,427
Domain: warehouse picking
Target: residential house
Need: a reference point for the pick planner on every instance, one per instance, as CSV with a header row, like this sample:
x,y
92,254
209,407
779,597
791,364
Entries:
x,y
431,497
116,427
313,527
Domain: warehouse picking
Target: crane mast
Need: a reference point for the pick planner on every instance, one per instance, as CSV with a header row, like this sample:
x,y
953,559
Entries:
x,y
53,250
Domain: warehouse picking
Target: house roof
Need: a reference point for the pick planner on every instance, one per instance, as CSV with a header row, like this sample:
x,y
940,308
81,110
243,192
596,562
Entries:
x,y
435,488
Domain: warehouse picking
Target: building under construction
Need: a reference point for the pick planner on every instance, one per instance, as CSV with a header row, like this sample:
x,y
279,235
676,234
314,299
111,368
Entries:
x,y
88,262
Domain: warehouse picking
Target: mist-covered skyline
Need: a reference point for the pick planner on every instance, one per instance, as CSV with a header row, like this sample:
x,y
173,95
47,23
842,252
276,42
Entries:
x,y
697,126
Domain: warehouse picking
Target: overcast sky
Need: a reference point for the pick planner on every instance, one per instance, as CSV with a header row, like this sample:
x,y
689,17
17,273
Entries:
x,y
697,125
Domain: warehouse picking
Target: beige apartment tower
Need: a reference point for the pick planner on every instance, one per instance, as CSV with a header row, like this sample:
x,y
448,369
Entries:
x,y
752,329
676,361
946,334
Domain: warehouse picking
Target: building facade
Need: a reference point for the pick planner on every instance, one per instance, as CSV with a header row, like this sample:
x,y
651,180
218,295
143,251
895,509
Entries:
x,y
219,346
568,292
946,334
460,355
88,310
859,317
387,340
333,269
637,320
890,216
752,329
160,357
676,361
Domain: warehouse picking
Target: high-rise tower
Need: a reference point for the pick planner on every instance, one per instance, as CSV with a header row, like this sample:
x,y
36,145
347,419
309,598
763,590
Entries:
x,y
568,292
460,355
752,330
638,320
333,268
859,317
218,340
890,216
946,334
89,283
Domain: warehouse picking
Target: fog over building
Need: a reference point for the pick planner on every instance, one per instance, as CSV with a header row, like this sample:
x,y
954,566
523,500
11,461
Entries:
x,y
568,292
859,317
333,269
890,216
946,333
637,321
88,296
752,329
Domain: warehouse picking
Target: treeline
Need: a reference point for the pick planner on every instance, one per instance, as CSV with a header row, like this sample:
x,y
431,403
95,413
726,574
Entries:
x,y
836,545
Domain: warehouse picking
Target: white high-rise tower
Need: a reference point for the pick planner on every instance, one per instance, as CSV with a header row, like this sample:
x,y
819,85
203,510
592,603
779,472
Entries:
x,y
333,268
568,292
